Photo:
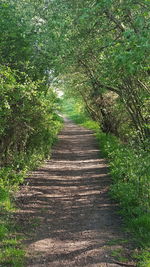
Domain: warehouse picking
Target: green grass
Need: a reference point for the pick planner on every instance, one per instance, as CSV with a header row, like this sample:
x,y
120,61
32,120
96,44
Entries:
x,y
130,172
11,251
118,254
9,246
12,256
143,258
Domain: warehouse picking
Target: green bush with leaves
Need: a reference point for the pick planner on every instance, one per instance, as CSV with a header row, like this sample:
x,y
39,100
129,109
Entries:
x,y
28,125
28,121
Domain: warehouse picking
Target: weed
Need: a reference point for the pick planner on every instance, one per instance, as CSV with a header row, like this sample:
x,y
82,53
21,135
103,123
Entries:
x,y
3,231
13,256
143,258
118,255
35,222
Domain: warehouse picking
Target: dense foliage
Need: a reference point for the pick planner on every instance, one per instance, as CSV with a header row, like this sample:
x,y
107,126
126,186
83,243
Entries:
x,y
104,57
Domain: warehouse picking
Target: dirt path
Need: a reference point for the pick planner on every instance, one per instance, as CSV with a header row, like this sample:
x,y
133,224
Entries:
x,y
65,211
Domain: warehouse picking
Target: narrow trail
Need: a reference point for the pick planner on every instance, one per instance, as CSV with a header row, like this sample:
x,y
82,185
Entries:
x,y
65,211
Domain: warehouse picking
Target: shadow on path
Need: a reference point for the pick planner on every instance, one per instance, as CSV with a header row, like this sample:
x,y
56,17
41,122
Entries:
x,y
65,212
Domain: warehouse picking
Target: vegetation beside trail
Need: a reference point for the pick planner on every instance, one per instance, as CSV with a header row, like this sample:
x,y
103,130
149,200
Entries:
x,y
28,117
129,169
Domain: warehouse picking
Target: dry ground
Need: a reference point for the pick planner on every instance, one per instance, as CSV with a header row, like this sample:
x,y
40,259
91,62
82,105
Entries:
x,y
65,211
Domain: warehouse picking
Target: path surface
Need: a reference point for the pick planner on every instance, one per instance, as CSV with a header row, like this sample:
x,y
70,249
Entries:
x,y
65,205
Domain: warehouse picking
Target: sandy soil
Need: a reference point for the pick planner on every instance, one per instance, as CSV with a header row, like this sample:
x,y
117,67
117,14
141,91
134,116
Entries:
x,y
65,211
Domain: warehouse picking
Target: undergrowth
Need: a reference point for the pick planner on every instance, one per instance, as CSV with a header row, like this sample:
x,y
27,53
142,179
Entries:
x,y
11,250
130,171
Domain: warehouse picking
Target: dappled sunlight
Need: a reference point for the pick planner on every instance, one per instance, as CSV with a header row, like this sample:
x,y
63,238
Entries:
x,y
59,246
66,204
